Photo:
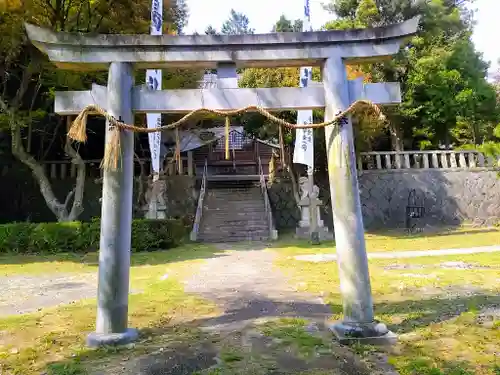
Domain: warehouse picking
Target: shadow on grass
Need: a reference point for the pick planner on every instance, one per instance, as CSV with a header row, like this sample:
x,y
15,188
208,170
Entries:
x,y
429,311
184,349
250,306
192,346
447,335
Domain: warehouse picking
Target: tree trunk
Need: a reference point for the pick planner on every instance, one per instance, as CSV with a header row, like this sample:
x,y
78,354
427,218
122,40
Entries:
x,y
60,210
11,108
77,207
396,137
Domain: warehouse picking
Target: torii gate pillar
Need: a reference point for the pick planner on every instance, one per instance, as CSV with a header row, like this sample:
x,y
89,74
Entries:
x,y
347,217
116,221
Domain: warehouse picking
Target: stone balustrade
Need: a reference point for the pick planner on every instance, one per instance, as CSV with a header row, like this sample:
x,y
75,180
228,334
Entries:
x,y
414,160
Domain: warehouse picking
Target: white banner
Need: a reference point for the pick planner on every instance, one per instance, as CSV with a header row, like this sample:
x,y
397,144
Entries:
x,y
304,140
153,81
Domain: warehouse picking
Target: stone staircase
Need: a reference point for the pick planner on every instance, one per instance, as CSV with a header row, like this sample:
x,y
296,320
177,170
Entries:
x,y
233,212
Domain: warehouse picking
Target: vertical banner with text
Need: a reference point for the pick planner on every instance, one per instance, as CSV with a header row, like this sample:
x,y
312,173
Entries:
x,y
153,81
304,140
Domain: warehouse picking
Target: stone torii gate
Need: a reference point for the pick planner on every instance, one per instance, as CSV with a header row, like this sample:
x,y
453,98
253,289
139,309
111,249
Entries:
x,y
121,54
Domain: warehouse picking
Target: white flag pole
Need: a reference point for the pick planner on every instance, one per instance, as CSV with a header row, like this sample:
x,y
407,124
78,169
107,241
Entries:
x,y
304,138
153,81
304,142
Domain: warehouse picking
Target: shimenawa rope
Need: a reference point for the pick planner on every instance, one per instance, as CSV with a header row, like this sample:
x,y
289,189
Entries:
x,y
78,130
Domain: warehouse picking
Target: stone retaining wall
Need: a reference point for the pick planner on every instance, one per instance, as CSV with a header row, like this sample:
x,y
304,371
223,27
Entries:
x,y
450,197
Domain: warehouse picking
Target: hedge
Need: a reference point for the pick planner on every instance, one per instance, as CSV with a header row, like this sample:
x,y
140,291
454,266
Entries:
x,y
81,237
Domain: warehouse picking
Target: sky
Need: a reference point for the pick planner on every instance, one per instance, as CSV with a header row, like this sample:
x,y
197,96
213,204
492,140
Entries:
x,y
264,13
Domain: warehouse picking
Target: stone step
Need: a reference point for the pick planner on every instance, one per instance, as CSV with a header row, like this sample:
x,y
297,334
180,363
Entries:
x,y
233,226
235,195
235,188
235,213
235,216
256,222
231,229
233,191
233,207
240,238
236,220
232,199
238,211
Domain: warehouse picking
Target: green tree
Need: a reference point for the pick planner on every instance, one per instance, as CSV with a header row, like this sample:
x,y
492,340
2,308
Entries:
x,y
210,30
28,81
285,25
179,14
446,98
238,23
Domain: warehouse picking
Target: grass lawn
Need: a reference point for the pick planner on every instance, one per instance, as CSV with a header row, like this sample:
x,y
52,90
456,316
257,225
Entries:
x,y
53,340
436,308
399,241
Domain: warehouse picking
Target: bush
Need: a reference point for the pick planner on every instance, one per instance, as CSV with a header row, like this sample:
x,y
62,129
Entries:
x,y
77,237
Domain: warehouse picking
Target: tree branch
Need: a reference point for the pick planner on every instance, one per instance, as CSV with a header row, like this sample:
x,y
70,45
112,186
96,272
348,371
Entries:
x,y
79,189
69,196
37,170
51,143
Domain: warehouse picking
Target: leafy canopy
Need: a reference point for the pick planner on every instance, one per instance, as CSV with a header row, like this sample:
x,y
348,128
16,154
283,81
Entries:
x,y
446,97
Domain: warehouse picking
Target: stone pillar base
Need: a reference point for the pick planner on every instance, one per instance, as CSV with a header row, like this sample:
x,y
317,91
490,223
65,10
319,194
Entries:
x,y
375,333
304,233
95,340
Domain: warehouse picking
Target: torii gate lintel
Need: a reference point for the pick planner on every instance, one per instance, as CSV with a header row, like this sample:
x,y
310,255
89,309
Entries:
x,y
145,100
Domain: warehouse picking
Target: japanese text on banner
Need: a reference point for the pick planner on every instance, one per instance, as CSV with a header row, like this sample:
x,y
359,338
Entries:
x,y
153,81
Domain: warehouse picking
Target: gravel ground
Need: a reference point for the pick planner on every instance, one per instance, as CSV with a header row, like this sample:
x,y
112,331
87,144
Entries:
x,y
23,294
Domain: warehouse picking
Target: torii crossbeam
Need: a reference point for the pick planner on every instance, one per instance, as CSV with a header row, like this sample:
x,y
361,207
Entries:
x,y
332,50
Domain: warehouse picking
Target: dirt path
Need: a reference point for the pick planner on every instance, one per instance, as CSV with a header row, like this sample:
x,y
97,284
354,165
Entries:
x,y
247,286
246,338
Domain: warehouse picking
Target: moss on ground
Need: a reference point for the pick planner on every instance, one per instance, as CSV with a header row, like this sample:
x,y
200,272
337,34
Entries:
x,y
435,304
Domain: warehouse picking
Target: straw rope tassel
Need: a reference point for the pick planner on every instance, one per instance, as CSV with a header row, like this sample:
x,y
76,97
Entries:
x,y
282,144
112,150
178,149
228,123
78,129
